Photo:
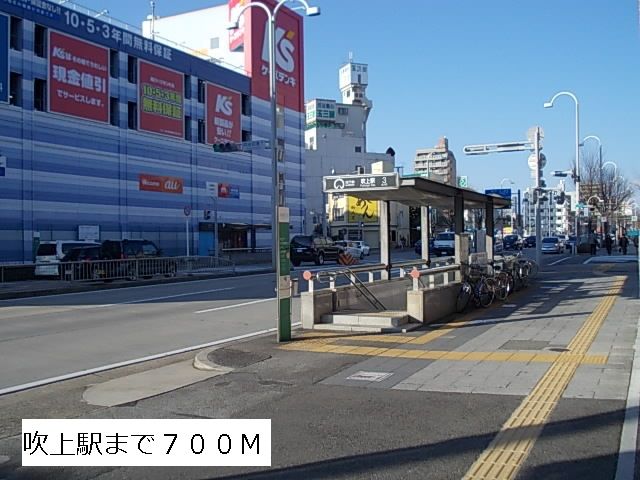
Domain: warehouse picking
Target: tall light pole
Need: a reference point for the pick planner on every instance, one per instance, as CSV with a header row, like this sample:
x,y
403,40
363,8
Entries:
x,y
549,104
275,202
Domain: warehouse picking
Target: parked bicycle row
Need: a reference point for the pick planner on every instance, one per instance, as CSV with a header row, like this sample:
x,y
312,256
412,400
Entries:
x,y
482,283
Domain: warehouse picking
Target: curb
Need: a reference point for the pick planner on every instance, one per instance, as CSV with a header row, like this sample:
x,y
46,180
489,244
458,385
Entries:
x,y
113,286
202,362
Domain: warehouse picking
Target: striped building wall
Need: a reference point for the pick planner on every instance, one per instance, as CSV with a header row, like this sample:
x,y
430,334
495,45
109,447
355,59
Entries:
x,y
63,172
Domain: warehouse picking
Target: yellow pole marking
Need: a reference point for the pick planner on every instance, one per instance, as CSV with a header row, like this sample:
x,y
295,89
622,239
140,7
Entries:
x,y
510,447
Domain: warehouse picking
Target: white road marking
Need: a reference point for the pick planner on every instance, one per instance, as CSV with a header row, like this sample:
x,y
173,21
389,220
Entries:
x,y
93,292
560,261
142,300
236,305
81,373
629,436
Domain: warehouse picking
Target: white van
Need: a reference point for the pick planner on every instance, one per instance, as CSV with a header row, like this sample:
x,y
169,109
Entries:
x,y
49,255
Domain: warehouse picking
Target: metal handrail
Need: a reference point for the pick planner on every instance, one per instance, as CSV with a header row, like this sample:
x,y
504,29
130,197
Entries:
x,y
362,288
356,282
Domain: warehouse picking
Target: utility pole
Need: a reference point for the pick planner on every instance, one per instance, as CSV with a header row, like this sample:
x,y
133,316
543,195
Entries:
x,y
538,172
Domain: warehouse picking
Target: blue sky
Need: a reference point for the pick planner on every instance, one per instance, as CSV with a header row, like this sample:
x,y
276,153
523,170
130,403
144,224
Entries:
x,y
477,72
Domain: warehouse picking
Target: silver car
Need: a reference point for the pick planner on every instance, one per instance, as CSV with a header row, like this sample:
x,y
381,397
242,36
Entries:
x,y
552,245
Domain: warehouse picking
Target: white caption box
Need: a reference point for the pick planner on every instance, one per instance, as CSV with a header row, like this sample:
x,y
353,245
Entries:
x,y
143,442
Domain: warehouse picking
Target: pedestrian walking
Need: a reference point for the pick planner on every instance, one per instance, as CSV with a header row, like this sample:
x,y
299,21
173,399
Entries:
x,y
608,243
594,244
624,244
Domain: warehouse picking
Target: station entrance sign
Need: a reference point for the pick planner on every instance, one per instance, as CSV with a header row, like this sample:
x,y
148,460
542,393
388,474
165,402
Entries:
x,y
355,183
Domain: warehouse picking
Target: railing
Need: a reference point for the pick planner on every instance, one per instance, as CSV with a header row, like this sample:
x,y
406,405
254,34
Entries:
x,y
350,275
438,267
134,268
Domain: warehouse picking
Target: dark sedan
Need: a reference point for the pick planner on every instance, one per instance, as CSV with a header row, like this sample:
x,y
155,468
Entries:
x,y
529,242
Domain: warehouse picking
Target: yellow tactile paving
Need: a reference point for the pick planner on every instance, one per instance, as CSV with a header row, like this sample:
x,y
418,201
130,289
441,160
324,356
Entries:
x,y
521,357
511,446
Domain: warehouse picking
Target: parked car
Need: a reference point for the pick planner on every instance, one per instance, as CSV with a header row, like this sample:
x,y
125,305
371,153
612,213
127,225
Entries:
x,y
83,263
418,246
512,242
49,255
309,248
551,245
135,249
444,244
529,241
352,248
364,246
498,246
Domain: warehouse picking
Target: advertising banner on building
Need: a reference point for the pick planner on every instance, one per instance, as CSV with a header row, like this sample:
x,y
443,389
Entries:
x,y
4,58
161,100
223,115
157,183
226,190
288,51
78,78
359,210
236,36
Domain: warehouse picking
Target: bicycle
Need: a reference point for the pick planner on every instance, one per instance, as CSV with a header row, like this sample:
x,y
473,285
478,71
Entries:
x,y
481,288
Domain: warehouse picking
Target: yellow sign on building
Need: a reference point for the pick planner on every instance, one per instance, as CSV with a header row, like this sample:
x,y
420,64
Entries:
x,y
362,210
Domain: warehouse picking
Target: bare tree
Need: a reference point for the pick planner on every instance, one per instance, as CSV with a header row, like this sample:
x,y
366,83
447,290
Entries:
x,y
603,181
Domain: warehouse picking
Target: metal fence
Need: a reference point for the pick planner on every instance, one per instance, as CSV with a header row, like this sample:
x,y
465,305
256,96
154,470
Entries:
x,y
127,269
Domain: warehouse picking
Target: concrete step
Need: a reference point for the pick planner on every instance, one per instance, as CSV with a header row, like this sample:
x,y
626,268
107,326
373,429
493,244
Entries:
x,y
385,318
404,328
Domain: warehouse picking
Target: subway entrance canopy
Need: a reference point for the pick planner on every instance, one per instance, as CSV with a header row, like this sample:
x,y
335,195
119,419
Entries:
x,y
416,192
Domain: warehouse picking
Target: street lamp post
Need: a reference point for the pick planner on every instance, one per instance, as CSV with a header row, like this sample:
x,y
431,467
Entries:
x,y
549,104
271,25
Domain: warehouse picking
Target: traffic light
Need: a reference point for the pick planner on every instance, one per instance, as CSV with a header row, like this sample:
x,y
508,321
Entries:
x,y
561,198
207,214
226,147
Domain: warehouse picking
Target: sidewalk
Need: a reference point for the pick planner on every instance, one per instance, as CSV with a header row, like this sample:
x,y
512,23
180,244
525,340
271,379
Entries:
x,y
533,388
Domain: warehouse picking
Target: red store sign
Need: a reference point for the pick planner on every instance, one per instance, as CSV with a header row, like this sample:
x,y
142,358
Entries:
x,y
223,115
161,103
156,183
78,78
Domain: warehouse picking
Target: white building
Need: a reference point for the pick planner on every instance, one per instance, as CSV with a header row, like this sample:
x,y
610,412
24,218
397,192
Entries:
x,y
554,218
336,142
437,163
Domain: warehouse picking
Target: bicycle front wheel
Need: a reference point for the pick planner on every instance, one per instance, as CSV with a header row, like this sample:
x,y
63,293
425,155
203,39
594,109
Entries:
x,y
485,292
533,268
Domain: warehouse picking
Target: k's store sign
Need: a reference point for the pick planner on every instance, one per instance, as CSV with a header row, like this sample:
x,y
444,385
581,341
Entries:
x,y
254,37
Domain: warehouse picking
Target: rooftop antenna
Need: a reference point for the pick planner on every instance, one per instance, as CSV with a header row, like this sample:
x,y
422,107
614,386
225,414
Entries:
x,y
351,53
153,19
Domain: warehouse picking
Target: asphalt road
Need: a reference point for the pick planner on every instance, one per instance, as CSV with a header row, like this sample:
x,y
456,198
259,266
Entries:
x,y
46,337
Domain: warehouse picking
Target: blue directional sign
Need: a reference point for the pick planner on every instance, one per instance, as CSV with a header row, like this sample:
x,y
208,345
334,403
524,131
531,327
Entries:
x,y
501,192
4,58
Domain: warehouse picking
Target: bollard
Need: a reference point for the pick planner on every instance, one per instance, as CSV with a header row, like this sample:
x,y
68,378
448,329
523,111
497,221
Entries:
x,y
370,277
294,287
415,275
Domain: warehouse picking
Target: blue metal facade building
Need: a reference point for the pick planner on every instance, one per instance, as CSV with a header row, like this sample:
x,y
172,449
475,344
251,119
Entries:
x,y
63,172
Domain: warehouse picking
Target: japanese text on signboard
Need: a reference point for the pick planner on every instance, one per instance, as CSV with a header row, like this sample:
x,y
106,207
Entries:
x,y
78,78
223,115
161,100
92,27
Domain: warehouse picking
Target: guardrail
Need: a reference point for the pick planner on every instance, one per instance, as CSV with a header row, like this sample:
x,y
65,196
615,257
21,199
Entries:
x,y
134,268
402,269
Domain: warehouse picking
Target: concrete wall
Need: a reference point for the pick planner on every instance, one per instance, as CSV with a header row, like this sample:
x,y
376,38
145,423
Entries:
x,y
392,294
432,305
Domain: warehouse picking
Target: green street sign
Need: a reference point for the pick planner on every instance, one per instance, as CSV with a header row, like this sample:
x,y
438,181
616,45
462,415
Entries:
x,y
463,181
